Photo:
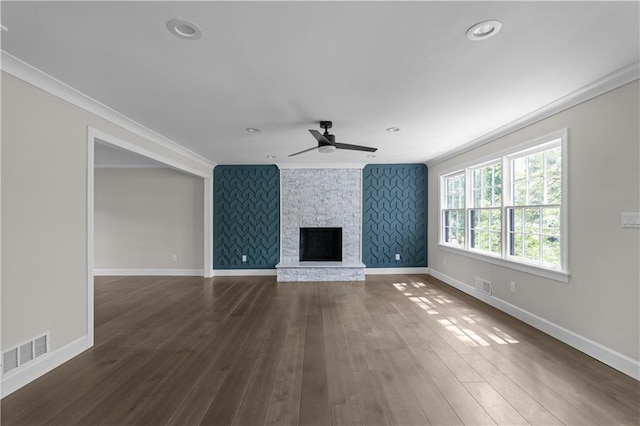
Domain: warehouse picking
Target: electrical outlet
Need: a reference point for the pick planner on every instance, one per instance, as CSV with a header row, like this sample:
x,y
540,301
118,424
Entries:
x,y
244,258
174,258
397,256
513,286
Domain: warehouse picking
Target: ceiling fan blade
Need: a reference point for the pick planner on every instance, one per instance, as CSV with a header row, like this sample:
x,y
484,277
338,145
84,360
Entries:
x,y
355,147
320,137
303,151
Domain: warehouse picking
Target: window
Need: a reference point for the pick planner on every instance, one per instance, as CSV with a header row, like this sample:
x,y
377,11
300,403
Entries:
x,y
454,213
485,214
513,206
534,214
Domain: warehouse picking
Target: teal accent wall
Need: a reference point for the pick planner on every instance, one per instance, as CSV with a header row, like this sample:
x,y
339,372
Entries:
x,y
246,217
394,207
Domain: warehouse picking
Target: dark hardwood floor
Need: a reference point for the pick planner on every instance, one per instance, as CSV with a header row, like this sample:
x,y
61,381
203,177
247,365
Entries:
x,y
396,350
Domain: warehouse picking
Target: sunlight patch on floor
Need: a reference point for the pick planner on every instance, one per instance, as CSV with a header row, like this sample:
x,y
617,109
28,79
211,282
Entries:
x,y
453,324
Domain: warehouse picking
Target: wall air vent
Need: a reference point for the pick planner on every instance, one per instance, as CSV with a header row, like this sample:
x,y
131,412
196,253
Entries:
x,y
483,286
24,353
10,360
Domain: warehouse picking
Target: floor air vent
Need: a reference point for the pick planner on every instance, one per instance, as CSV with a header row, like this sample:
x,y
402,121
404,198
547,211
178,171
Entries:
x,y
25,353
483,285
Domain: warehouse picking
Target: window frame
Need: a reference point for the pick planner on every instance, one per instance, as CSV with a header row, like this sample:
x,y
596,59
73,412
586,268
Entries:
x,y
470,207
504,157
445,208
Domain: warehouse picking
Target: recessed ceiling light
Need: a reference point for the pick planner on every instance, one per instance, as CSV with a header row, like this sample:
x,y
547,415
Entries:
x,y
184,29
271,156
253,130
484,30
393,129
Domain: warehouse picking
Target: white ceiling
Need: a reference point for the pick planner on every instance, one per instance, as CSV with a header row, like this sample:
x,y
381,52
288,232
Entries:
x,y
283,66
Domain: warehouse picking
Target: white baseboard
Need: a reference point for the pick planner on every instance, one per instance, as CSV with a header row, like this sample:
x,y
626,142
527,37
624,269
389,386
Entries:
x,y
396,271
620,362
148,272
244,272
22,376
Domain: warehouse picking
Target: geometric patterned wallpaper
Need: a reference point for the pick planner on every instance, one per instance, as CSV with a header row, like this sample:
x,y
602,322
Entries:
x,y
394,215
246,217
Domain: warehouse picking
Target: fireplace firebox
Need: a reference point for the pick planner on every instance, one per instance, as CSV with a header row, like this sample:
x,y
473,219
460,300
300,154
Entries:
x,y
321,244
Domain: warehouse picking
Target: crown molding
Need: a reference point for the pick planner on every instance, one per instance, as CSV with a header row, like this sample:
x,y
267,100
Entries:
x,y
283,166
606,84
32,75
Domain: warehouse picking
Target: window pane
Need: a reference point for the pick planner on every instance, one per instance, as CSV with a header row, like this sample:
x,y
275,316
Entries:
x,y
532,221
532,246
487,190
554,190
551,250
518,245
518,221
496,220
551,221
519,166
485,241
536,191
454,227
477,198
477,179
553,161
536,162
496,242
483,220
520,193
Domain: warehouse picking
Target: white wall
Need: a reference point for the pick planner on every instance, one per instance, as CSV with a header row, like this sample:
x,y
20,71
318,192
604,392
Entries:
x,y
144,216
601,300
44,216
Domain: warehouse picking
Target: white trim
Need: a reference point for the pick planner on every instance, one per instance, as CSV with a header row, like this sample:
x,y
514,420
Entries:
x,y
126,145
606,84
284,166
244,272
396,271
614,359
13,381
130,166
148,272
208,227
41,80
90,233
511,264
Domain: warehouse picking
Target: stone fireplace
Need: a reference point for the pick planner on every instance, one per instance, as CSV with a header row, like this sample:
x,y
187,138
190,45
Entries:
x,y
321,199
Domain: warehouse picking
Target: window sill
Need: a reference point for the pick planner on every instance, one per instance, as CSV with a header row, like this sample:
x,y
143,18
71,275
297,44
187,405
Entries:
x,y
551,274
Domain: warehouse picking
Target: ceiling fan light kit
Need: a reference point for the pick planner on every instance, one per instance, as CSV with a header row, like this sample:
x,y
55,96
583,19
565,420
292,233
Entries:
x,y
327,142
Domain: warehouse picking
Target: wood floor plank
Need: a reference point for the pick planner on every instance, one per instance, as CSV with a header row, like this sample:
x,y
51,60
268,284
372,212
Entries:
x,y
314,397
255,403
374,406
547,396
402,349
527,406
497,407
346,415
461,401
